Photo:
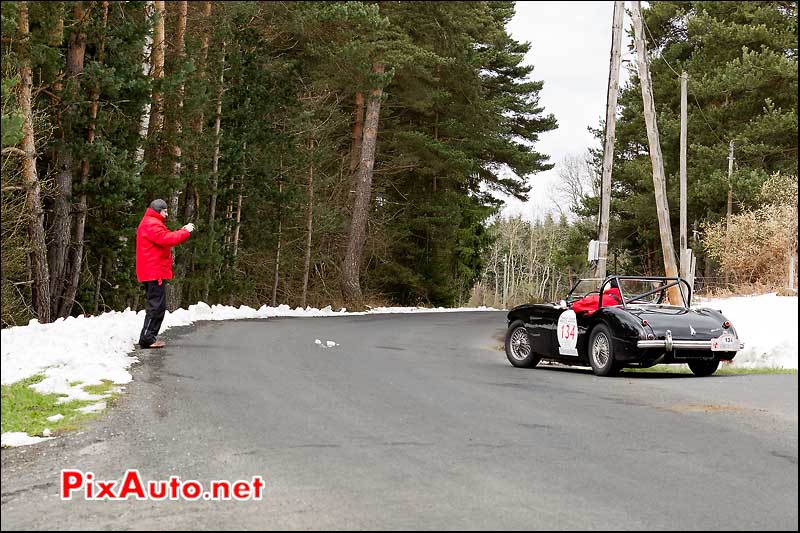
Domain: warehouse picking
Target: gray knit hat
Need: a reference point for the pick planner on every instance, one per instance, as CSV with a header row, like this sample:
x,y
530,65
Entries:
x,y
158,205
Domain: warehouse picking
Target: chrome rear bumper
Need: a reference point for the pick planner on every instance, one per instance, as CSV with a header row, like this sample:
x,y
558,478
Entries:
x,y
669,344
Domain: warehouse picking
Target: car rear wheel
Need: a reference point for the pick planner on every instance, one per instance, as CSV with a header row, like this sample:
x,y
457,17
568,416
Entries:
x,y
704,368
518,346
601,352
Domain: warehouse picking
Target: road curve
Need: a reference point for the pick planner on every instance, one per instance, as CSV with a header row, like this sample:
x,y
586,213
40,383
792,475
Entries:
x,y
418,421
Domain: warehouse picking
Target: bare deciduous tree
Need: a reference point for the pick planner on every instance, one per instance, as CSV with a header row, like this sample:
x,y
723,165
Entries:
x,y
578,181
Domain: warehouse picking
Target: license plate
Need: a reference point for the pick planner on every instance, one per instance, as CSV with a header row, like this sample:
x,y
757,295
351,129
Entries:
x,y
727,342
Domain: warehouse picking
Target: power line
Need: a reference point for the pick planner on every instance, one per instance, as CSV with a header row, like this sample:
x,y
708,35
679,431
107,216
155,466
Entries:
x,y
647,28
696,101
706,120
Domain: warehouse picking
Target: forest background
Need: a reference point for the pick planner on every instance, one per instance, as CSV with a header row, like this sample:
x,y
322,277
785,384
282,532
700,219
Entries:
x,y
347,153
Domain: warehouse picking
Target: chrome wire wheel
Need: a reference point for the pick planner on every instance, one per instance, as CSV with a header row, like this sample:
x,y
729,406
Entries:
x,y
520,344
600,350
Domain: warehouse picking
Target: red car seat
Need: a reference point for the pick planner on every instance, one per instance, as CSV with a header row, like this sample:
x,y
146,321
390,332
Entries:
x,y
591,302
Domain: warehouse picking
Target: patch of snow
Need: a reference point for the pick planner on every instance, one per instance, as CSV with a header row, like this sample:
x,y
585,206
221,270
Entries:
x,y
93,408
18,438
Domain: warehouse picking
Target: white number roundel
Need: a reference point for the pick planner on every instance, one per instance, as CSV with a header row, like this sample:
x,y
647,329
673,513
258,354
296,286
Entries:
x,y
567,330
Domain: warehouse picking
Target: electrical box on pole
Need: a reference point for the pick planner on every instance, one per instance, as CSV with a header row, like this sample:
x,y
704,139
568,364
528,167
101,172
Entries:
x,y
594,251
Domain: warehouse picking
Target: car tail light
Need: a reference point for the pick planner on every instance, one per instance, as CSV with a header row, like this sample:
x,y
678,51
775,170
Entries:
x,y
726,324
645,323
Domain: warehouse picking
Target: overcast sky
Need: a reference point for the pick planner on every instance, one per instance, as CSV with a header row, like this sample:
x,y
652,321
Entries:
x,y
570,51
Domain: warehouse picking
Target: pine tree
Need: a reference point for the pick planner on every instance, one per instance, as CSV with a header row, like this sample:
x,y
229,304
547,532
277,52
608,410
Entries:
x,y
741,58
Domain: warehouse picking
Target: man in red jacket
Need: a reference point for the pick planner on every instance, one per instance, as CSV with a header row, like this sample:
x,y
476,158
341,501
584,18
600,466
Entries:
x,y
154,266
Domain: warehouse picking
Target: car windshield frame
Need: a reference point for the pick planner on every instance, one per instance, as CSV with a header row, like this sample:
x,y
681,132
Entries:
x,y
665,283
571,298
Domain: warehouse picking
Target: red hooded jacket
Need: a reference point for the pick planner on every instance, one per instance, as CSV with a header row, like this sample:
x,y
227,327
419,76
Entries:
x,y
153,243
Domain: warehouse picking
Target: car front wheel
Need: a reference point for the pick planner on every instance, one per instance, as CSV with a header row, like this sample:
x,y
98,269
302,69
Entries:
x,y
704,368
601,352
518,346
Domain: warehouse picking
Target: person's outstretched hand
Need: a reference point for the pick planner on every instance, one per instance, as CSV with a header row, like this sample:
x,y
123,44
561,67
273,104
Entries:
x,y
189,227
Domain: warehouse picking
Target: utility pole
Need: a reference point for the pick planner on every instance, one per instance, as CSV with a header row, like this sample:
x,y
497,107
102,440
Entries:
x,y
730,187
683,237
729,211
686,255
608,149
659,181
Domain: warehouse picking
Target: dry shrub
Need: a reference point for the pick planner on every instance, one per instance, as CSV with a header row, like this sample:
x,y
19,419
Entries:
x,y
755,250
779,189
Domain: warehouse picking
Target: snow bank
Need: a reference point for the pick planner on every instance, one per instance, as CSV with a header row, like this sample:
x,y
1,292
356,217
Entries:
x,y
767,324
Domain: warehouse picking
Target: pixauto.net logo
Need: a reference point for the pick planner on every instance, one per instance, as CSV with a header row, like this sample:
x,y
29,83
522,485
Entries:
x,y
77,483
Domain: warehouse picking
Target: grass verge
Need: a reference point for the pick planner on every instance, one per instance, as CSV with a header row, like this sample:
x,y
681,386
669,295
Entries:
x,y
26,410
722,370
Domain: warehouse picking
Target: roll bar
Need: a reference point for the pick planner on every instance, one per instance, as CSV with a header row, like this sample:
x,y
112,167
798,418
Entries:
x,y
687,296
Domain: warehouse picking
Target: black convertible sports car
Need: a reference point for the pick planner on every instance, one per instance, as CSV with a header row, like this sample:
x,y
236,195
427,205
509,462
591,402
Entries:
x,y
622,321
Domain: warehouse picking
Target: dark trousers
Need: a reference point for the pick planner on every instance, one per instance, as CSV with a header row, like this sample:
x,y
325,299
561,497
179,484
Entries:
x,y
155,308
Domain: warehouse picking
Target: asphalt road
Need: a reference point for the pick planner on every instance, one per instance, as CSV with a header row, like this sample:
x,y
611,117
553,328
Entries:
x,y
419,422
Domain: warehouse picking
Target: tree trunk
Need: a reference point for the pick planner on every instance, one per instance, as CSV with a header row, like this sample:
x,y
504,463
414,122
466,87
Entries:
x,y
97,287
513,237
33,202
659,181
56,32
358,132
309,220
176,126
212,208
495,257
191,204
530,254
156,119
351,285
197,125
505,280
435,134
238,223
278,249
61,225
62,213
227,243
174,299
82,209
147,51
